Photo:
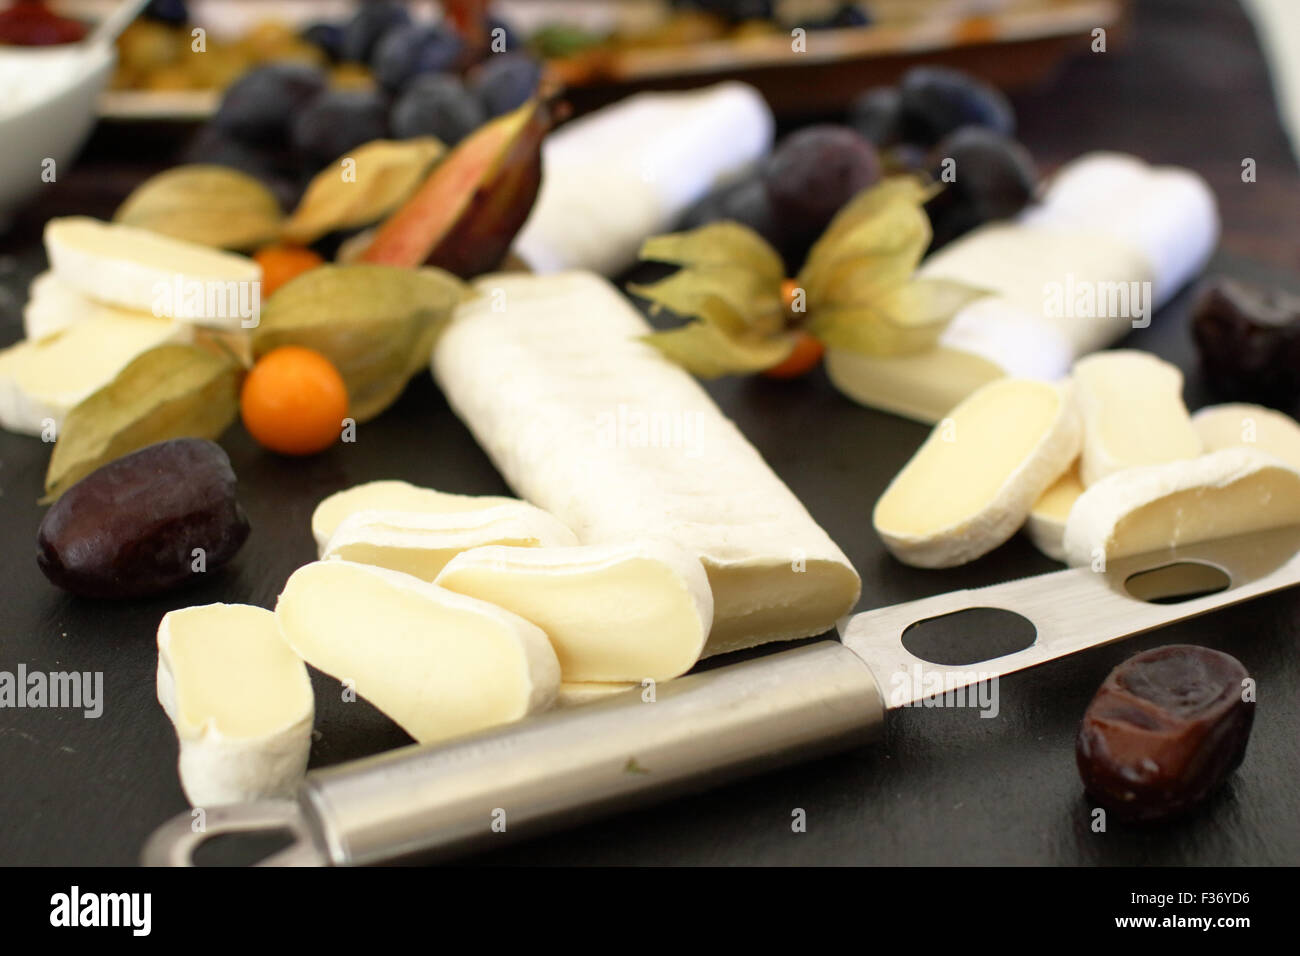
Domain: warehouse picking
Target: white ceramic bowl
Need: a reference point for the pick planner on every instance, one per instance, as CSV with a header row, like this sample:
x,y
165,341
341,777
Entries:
x,y
52,122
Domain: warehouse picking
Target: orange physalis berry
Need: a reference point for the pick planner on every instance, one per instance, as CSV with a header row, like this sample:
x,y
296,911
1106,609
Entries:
x,y
294,401
803,358
282,263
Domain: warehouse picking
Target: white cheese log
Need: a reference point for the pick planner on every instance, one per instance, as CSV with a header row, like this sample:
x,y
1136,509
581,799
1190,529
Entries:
x,y
422,544
1046,522
592,424
240,700
625,172
1249,426
389,495
42,380
1133,413
1106,221
972,483
613,612
1150,508
438,663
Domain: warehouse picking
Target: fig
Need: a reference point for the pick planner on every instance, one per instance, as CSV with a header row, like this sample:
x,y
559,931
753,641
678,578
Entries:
x,y
144,523
1163,732
465,215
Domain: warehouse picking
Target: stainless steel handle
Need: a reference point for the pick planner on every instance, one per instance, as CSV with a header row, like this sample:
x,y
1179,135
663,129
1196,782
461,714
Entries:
x,y
527,777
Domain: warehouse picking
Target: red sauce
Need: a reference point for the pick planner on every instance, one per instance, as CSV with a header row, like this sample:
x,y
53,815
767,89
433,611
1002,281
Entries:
x,y
29,23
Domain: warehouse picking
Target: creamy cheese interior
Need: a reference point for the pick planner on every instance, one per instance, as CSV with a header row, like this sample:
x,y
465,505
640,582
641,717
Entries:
x,y
1249,426
233,671
141,247
1056,502
609,619
392,496
966,461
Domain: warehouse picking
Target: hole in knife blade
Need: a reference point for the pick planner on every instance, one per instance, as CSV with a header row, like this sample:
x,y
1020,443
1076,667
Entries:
x,y
1175,583
241,848
969,636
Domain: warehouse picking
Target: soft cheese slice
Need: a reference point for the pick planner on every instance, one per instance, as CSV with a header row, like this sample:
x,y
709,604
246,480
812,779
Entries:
x,y
438,663
241,702
44,379
1046,523
1133,413
1229,492
971,485
621,612
393,496
53,305
141,270
586,420
422,544
1249,426
578,693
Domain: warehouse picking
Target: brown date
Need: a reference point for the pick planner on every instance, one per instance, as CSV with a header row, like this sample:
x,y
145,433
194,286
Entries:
x,y
131,528
1164,730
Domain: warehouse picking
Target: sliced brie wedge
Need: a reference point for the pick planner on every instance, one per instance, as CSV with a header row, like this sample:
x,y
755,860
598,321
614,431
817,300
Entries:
x,y
971,485
1133,413
438,663
1249,426
146,272
422,544
577,693
1225,493
40,381
1046,523
240,700
393,496
53,305
621,612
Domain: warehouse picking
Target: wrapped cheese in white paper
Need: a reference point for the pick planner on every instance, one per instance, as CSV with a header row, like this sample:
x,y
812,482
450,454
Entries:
x,y
1112,240
628,171
584,419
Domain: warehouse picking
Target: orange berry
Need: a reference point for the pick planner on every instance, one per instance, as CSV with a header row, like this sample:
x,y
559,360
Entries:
x,y
789,289
294,401
282,263
803,358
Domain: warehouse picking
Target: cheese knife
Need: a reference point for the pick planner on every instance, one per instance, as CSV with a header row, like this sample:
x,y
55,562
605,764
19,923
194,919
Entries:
x,y
431,802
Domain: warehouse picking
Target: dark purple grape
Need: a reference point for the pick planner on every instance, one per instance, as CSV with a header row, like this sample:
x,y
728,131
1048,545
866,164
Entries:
x,y
259,106
1249,340
993,177
845,16
504,42
505,81
737,10
131,528
937,100
327,37
368,24
438,105
878,115
172,12
337,121
813,173
1164,730
405,52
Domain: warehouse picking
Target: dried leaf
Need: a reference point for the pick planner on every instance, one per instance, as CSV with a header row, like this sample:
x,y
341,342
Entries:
x,y
718,244
734,298
909,318
377,324
361,187
172,391
211,205
707,351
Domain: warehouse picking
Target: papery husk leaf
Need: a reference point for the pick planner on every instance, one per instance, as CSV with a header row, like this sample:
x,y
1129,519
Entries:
x,y
907,319
884,238
172,391
718,244
211,205
707,351
734,298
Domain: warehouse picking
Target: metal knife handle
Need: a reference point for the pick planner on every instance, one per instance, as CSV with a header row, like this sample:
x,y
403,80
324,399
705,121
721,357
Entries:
x,y
526,777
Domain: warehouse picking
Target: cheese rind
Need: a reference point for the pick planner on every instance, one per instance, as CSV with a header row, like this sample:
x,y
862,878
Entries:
x,y
146,272
1151,508
1046,522
972,483
422,544
240,700
438,663
388,495
1133,413
1249,426
586,420
43,380
578,693
621,612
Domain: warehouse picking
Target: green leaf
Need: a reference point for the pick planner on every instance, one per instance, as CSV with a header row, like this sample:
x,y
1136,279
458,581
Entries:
x,y
376,323
172,391
734,298
907,319
718,244
705,350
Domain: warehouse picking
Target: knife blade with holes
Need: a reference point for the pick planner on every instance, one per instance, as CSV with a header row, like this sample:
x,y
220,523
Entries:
x,y
566,767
